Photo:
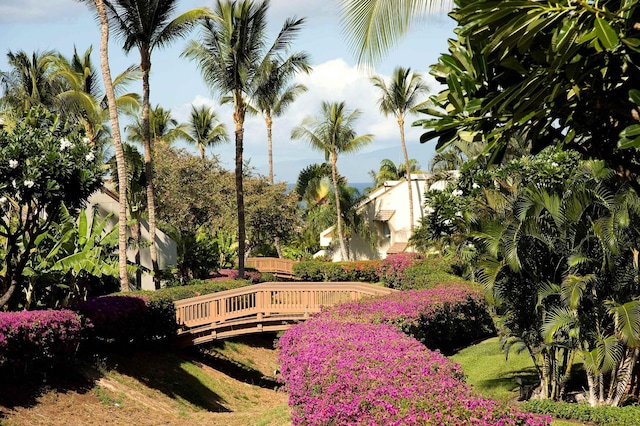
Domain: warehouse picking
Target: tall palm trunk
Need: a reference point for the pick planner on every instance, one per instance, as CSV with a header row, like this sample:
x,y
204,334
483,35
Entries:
x,y
334,177
269,122
407,165
238,119
145,67
117,143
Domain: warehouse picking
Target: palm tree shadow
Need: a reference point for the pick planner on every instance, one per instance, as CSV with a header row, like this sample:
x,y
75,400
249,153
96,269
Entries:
x,y
523,381
165,372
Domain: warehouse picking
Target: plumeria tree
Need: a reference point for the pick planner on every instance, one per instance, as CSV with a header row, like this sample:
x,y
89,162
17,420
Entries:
x,y
44,163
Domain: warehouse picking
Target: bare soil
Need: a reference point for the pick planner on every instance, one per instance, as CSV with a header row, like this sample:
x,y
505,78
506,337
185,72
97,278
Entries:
x,y
231,383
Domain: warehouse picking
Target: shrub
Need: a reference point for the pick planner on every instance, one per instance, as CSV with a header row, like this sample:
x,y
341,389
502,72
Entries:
x,y
604,415
250,274
33,341
391,270
317,270
363,374
448,317
198,288
125,320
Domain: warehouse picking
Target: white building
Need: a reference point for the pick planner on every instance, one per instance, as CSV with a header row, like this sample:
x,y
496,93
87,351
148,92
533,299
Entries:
x,y
105,201
386,209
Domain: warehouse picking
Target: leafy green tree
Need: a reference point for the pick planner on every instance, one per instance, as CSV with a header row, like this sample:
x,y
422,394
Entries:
x,y
204,129
147,26
44,163
400,96
332,132
275,93
546,73
233,56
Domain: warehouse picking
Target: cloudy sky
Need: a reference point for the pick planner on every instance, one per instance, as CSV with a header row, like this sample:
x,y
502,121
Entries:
x,y
176,84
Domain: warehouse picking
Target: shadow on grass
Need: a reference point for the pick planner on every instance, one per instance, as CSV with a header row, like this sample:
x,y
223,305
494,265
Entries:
x,y
19,391
523,381
165,373
234,369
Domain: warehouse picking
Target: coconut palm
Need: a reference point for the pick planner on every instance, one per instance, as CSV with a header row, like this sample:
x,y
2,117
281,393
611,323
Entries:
x,y
400,96
332,133
148,25
101,11
374,26
390,171
204,129
83,96
162,126
29,82
232,57
274,95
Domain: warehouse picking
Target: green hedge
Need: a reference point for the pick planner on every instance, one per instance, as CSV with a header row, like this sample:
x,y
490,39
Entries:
x,y
315,270
195,288
604,415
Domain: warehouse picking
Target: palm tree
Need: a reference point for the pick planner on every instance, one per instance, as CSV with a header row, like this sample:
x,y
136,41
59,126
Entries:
x,y
400,96
29,82
204,129
332,133
162,126
117,141
392,171
232,58
274,95
82,95
374,26
148,25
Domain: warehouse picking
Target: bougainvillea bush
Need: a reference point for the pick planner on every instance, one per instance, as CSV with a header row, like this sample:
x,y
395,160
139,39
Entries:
x,y
125,320
447,317
37,340
341,373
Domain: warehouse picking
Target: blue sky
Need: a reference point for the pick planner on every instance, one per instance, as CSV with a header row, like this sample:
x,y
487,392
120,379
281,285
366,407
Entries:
x,y
176,83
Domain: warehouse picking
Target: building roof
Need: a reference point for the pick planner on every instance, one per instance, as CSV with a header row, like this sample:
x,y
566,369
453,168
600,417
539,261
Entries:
x,y
384,215
397,248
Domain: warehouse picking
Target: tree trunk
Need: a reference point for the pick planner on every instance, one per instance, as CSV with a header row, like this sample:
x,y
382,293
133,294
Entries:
x,y
145,67
136,233
408,170
117,144
626,372
593,391
238,118
334,177
269,121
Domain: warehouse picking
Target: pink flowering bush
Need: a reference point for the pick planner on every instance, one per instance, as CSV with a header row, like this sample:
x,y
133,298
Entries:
x,y
123,320
392,269
36,340
447,317
232,274
342,373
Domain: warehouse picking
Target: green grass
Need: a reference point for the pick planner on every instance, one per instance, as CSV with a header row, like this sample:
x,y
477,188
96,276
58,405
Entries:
x,y
491,373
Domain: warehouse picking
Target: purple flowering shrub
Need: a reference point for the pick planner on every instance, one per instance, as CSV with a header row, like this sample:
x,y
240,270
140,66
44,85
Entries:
x,y
392,269
232,274
34,340
446,317
346,373
129,319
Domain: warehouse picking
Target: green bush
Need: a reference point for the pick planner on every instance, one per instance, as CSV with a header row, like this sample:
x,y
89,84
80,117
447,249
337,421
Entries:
x,y
604,415
198,288
425,273
316,270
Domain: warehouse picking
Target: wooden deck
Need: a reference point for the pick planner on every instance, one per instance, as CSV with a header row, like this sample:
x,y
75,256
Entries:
x,y
281,268
261,307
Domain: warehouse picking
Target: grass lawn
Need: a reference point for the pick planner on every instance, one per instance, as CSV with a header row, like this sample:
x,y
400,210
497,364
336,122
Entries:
x,y
494,375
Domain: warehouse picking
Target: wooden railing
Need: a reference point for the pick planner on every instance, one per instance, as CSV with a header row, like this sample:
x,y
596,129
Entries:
x,y
261,307
274,265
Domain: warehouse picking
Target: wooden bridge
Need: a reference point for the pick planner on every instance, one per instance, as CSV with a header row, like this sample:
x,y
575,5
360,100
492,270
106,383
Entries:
x,y
281,268
261,307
